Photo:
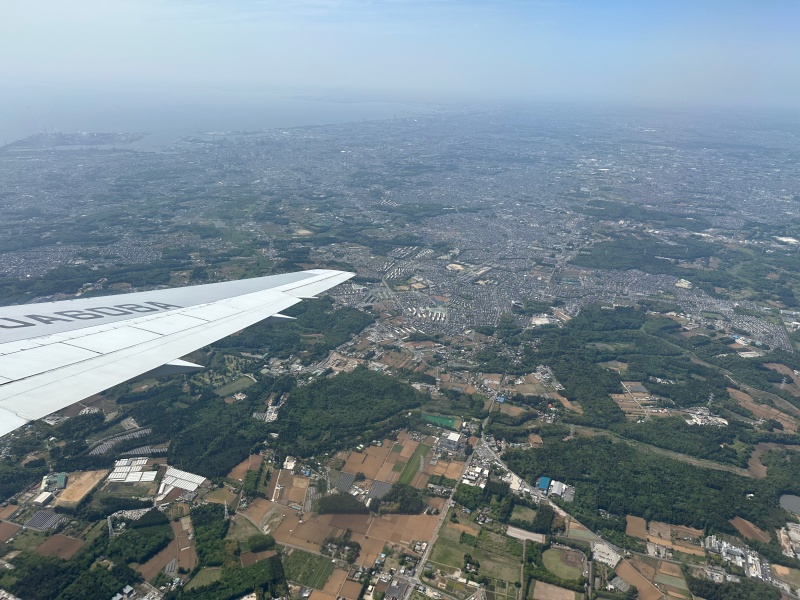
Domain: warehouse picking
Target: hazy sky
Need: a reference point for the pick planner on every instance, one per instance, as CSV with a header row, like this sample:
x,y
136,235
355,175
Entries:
x,y
642,51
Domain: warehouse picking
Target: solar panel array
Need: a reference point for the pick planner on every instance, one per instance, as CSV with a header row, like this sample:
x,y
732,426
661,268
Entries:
x,y
44,519
109,444
379,489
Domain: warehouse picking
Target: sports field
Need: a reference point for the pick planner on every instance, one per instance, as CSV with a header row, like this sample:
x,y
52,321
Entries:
x,y
449,422
564,563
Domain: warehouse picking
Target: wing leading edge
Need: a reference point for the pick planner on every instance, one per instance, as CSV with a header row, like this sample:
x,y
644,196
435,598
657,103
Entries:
x,y
55,354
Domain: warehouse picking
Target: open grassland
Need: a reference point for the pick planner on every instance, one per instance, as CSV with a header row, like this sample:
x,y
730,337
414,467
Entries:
x,y
205,576
307,569
524,513
237,385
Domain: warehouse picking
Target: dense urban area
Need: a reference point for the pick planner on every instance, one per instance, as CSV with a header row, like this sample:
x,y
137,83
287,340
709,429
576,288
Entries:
x,y
566,366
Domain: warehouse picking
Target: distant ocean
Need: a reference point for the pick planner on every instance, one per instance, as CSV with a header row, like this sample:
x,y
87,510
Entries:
x,y
167,118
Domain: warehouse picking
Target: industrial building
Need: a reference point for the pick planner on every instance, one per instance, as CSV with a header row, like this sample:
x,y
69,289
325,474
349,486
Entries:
x,y
452,442
53,481
42,499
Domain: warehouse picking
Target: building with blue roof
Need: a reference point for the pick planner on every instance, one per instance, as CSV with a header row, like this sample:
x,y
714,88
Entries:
x,y
544,483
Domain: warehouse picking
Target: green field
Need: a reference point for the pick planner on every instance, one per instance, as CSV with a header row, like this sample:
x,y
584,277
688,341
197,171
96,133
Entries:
x,y
523,513
412,466
554,561
399,466
237,385
449,422
307,569
670,580
240,530
205,576
397,447
449,553
501,590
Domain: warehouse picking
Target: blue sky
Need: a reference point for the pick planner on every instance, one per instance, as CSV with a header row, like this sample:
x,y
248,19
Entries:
x,y
668,53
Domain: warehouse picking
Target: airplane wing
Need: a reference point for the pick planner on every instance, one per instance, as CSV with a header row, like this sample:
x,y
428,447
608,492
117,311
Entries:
x,y
57,353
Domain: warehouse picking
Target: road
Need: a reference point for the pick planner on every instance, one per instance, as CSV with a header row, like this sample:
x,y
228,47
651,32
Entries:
x,y
415,580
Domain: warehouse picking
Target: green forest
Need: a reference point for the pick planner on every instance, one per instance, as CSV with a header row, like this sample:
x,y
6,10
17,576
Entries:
x,y
330,414
617,478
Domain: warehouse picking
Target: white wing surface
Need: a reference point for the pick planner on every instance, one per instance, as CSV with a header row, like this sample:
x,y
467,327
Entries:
x,y
57,353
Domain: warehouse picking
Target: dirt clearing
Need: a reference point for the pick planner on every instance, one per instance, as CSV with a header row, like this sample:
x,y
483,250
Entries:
x,y
78,485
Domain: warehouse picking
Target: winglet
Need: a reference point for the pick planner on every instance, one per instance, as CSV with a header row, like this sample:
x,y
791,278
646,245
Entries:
x,y
175,367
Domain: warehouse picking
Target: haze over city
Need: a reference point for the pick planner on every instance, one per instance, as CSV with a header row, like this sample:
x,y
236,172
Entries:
x,y
399,300
59,60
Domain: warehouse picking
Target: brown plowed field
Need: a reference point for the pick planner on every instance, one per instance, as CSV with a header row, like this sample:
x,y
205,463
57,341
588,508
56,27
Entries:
x,y
60,546
636,527
251,463
762,411
755,467
647,591
8,530
546,591
750,531
7,511
335,581
350,590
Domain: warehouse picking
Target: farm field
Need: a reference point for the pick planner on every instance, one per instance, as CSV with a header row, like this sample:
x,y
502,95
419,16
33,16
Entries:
x,y
307,569
156,564
636,527
763,411
546,591
7,530
413,465
449,553
750,531
501,590
60,546
251,463
647,591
